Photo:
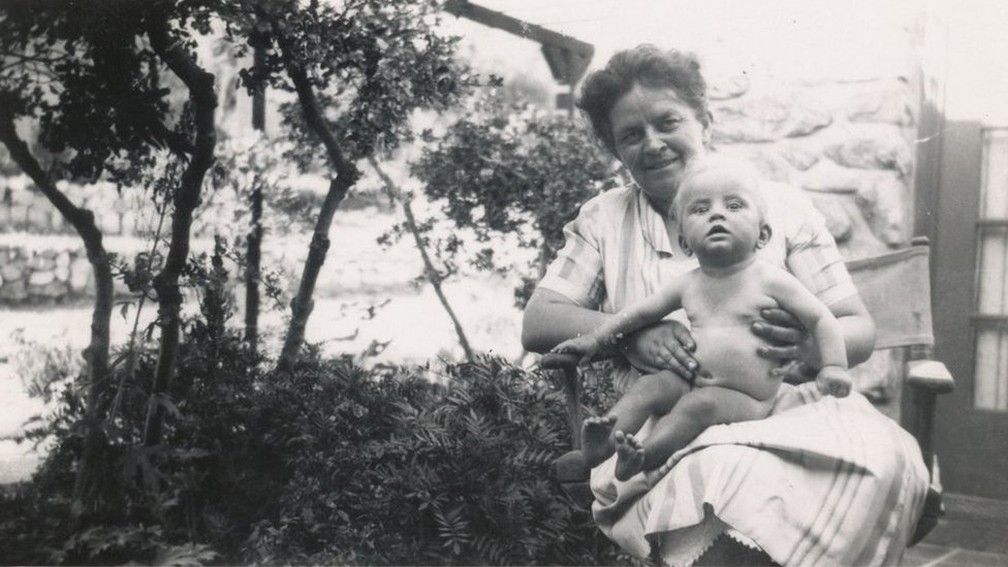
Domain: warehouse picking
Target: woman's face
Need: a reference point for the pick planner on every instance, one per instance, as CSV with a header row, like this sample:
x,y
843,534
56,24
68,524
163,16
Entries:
x,y
656,133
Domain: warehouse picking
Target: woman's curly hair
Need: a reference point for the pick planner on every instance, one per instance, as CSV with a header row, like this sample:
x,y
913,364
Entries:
x,y
649,66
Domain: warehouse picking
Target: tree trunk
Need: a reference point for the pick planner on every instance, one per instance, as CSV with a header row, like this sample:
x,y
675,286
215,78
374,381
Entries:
x,y
430,271
253,253
200,84
85,497
346,176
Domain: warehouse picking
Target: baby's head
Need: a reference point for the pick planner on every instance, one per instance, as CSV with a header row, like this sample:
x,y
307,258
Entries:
x,y
720,210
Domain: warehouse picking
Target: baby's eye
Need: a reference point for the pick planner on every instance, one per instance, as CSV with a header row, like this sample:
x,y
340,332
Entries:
x,y
735,206
698,209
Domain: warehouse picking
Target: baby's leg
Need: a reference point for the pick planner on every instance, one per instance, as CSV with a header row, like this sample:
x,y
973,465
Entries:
x,y
695,412
651,394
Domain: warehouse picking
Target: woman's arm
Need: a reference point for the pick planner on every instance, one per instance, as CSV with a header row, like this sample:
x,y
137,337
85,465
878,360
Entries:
x,y
551,318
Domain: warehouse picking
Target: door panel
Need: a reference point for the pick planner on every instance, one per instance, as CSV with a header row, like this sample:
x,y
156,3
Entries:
x,y
970,295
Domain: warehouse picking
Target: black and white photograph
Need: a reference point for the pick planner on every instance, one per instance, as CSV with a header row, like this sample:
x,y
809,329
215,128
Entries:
x,y
504,282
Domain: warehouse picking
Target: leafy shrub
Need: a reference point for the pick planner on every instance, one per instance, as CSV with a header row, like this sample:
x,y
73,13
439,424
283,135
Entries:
x,y
326,464
398,471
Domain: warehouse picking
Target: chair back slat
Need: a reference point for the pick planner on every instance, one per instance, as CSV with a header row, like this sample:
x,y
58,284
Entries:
x,y
896,288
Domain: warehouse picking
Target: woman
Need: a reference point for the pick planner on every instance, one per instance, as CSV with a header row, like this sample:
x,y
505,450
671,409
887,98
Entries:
x,y
649,108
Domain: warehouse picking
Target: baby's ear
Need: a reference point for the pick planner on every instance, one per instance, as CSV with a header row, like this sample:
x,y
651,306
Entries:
x,y
765,232
685,247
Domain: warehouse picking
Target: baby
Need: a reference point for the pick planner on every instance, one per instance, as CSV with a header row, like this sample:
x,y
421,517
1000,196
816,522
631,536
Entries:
x,y
721,218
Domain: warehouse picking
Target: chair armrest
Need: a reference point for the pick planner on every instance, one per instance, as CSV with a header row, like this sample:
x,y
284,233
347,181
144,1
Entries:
x,y
930,375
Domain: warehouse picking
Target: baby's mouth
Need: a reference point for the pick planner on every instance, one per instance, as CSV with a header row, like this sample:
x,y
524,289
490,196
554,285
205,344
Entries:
x,y
717,229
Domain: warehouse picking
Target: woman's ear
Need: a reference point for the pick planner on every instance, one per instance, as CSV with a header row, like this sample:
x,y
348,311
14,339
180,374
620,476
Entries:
x,y
765,232
685,247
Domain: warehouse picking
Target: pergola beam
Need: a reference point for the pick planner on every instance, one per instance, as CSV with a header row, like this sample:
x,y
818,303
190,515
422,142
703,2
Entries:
x,y
567,57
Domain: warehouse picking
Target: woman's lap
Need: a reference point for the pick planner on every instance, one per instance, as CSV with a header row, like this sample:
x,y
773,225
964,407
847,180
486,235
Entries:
x,y
823,480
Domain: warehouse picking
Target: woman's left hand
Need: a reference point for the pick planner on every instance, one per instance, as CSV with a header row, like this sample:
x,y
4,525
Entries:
x,y
786,338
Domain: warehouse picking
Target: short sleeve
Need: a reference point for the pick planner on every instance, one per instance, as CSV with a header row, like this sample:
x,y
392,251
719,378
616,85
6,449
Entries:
x,y
812,254
576,273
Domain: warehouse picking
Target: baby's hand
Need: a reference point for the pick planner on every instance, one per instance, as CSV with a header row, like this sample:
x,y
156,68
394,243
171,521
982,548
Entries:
x,y
834,381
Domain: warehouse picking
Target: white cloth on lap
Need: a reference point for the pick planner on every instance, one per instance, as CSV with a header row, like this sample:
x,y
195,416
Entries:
x,y
822,481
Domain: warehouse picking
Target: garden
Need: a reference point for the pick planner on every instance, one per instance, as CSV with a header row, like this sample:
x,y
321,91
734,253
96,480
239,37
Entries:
x,y
203,421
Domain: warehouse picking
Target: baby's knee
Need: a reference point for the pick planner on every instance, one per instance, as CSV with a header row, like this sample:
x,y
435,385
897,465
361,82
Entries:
x,y
662,389
698,406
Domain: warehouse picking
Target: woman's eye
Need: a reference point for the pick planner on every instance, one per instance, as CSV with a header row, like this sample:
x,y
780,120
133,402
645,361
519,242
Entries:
x,y
629,138
669,123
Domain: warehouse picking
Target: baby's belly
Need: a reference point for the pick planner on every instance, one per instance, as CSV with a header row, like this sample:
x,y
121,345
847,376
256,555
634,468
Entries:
x,y
728,356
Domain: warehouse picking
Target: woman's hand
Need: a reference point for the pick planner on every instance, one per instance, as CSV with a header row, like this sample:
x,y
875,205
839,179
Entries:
x,y
786,338
667,345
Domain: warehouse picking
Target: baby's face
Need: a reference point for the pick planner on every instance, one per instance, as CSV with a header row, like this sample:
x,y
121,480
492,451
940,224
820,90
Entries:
x,y
719,216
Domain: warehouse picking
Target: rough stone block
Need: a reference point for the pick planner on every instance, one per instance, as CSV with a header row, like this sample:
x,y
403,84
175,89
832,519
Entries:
x,y
874,149
80,274
838,220
890,103
18,216
54,289
826,176
727,87
40,262
799,157
767,119
14,291
41,278
37,218
12,271
5,217
884,204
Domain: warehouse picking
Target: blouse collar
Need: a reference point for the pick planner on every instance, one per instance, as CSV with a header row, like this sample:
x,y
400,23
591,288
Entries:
x,y
653,225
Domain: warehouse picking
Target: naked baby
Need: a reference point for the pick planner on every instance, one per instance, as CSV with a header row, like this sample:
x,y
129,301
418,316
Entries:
x,y
720,214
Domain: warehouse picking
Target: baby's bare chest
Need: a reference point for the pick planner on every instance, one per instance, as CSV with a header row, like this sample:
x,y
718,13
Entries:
x,y
725,302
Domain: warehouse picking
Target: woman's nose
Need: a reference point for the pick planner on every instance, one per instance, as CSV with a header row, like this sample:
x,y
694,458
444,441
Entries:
x,y
652,142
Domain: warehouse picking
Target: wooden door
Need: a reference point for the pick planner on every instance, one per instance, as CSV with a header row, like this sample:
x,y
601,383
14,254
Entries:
x,y
970,290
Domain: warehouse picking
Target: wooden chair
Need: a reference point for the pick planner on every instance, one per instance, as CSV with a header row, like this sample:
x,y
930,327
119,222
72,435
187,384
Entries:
x,y
896,288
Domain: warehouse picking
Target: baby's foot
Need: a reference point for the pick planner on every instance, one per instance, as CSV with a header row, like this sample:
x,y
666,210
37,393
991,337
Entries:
x,y
595,432
629,455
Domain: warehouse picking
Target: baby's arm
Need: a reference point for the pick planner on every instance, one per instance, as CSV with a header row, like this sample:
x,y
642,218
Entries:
x,y
633,317
792,296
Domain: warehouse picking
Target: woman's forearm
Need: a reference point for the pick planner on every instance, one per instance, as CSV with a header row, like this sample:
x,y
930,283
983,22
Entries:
x,y
551,318
857,327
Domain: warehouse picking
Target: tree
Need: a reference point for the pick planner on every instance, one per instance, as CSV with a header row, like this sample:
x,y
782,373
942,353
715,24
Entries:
x,y
358,69
99,110
511,170
431,272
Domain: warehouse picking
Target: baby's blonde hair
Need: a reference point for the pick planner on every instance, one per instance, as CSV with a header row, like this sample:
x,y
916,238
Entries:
x,y
743,171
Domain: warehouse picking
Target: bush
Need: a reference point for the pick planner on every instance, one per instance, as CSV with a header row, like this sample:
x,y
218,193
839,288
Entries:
x,y
400,471
326,464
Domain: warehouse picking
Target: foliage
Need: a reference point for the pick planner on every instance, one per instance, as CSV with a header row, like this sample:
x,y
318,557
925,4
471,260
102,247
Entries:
x,y
411,474
512,170
327,463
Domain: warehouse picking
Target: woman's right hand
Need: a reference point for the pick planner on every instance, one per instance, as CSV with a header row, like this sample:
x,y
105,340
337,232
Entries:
x,y
667,345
